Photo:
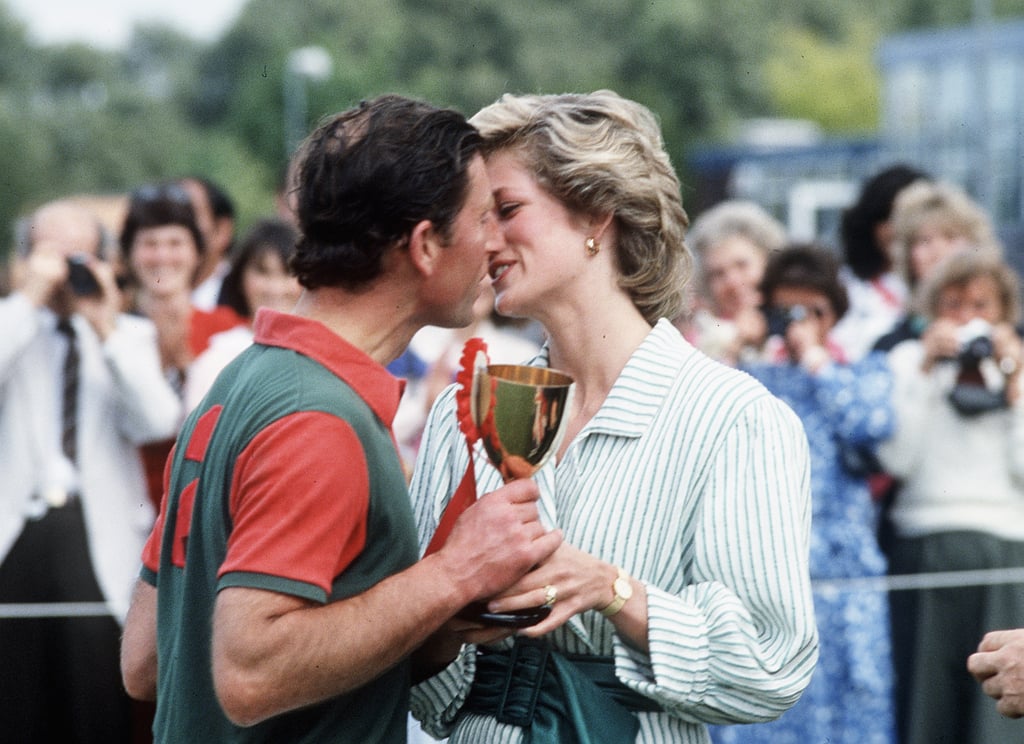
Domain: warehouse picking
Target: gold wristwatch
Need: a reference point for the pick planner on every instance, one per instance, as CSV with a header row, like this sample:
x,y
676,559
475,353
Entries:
x,y
623,589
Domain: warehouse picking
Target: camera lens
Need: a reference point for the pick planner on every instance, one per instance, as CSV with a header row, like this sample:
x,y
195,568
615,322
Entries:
x,y
976,349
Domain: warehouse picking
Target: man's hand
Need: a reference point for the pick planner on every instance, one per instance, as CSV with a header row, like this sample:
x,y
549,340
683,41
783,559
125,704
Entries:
x,y
42,272
101,310
497,540
999,666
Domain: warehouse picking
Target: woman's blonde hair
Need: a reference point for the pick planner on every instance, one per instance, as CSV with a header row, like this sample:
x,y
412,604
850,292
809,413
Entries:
x,y
959,269
600,153
941,205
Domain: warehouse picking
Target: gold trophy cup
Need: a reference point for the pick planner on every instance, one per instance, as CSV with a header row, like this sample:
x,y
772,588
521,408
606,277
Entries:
x,y
520,413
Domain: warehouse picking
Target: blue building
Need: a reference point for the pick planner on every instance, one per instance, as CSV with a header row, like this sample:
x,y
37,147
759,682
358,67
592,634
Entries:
x,y
952,105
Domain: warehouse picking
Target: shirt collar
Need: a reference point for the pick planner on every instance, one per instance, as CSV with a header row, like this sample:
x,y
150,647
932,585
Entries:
x,y
372,382
640,390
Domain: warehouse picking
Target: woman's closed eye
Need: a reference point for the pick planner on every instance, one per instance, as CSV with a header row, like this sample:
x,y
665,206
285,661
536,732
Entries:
x,y
507,209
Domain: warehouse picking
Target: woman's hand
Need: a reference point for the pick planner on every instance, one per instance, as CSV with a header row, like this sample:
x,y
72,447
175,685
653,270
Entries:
x,y
940,341
1007,348
804,340
580,582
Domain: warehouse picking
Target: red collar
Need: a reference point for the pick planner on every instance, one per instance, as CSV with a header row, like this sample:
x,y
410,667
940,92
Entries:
x,y
372,382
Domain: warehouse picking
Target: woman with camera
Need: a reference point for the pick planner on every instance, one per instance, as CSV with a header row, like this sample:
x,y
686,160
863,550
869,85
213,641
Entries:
x,y
731,243
845,409
959,450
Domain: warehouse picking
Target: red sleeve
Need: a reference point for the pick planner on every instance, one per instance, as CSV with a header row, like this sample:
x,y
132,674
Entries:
x,y
205,323
299,501
151,551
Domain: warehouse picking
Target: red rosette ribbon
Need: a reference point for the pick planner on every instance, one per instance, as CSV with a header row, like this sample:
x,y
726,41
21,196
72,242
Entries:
x,y
465,494
468,364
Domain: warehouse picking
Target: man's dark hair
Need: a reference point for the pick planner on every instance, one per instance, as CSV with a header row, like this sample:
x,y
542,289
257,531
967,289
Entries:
x,y
156,205
874,206
806,266
367,176
221,203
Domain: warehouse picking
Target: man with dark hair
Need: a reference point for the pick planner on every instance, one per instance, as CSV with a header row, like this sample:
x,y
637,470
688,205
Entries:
x,y
285,556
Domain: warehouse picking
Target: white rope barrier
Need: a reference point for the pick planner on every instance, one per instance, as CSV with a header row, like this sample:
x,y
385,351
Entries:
x,y
54,609
937,580
905,582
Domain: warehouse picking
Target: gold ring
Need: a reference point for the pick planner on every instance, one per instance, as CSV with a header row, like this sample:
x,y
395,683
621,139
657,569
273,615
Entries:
x,y
550,595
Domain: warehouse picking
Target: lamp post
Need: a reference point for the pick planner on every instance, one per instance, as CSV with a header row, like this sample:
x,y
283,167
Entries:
x,y
303,64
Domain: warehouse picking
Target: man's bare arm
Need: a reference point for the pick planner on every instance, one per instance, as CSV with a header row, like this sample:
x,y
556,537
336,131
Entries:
x,y
138,645
273,652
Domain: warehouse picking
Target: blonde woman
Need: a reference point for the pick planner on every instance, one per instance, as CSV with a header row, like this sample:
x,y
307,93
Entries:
x,y
680,594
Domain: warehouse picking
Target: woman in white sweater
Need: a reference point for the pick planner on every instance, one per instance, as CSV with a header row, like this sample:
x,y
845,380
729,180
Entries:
x,y
959,451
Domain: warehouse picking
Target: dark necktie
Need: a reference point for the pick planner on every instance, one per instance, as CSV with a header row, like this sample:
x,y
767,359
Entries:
x,y
69,399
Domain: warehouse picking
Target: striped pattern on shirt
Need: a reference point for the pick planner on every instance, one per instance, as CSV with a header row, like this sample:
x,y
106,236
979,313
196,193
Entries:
x,y
695,480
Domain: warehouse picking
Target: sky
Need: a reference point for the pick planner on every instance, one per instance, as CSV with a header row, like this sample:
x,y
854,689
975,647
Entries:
x,y
107,23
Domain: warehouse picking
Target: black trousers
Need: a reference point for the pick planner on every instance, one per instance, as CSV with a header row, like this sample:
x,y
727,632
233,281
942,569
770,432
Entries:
x,y
60,678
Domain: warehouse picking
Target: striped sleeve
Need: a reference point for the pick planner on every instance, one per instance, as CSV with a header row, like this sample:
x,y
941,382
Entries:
x,y
739,642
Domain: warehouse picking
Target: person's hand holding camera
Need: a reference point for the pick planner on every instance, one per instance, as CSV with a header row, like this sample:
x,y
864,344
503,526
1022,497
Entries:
x,y
42,273
100,307
803,330
1006,348
941,342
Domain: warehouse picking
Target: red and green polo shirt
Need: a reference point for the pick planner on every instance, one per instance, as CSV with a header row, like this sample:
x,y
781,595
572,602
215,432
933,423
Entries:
x,y
285,478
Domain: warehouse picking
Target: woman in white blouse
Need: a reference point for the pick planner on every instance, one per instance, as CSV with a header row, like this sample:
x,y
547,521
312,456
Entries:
x,y
958,450
681,594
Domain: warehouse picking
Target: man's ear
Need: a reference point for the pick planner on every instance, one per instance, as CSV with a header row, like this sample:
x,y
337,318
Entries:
x,y
425,247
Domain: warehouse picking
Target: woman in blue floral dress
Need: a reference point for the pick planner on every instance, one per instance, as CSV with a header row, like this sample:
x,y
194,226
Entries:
x,y
846,410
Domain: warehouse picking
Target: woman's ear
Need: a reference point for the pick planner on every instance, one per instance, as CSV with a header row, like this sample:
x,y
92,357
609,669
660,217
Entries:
x,y
599,224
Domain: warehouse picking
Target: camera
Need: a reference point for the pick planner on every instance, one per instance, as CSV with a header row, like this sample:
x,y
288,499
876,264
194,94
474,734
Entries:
x,y
970,396
80,278
780,318
975,339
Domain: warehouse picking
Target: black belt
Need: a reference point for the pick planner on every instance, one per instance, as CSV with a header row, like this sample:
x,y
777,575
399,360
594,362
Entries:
x,y
563,698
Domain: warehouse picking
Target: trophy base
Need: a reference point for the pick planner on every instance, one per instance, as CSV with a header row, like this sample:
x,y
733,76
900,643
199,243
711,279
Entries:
x,y
524,618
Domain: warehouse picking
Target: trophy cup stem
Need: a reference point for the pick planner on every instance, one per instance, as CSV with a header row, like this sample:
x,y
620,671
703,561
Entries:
x,y
520,412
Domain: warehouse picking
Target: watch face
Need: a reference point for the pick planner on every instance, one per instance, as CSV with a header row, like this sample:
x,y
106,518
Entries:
x,y
623,588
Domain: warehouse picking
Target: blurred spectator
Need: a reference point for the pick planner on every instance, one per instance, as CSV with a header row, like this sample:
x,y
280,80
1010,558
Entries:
x,y
215,215
162,248
878,294
932,220
731,243
80,389
259,277
958,449
842,406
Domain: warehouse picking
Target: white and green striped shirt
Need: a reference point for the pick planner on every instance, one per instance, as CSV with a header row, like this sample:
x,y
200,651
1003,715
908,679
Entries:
x,y
696,481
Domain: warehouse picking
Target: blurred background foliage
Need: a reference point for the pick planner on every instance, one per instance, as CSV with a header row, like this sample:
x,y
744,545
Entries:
x,y
74,119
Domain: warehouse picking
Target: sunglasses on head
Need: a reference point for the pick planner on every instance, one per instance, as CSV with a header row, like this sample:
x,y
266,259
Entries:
x,y
171,191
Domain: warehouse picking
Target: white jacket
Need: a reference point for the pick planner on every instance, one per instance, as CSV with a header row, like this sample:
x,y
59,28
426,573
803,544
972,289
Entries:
x,y
124,401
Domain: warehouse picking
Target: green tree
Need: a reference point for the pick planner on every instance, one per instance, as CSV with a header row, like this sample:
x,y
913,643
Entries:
x,y
832,82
